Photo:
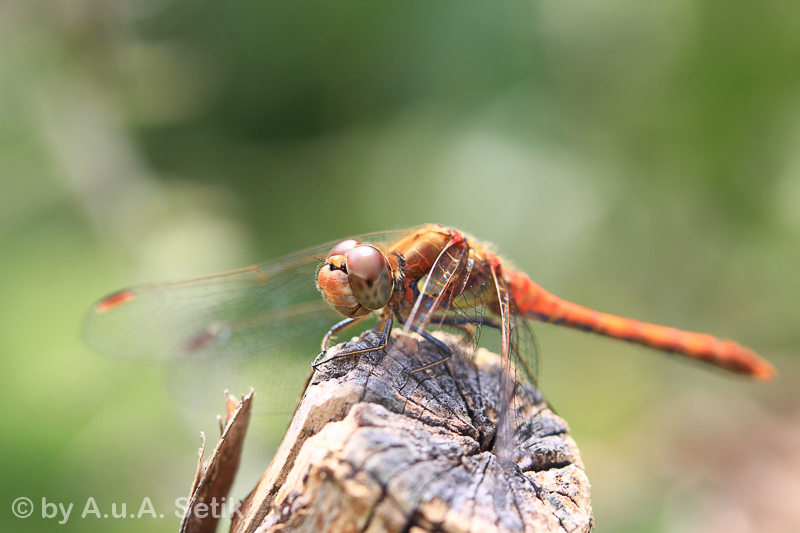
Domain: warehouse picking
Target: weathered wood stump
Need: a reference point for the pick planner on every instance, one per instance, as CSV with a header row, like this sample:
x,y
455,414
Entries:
x,y
372,448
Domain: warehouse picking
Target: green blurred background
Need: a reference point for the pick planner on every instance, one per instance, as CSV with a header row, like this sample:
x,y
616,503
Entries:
x,y
642,158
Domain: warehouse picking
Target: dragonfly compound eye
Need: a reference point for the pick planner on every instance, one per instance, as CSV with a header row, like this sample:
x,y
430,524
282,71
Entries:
x,y
370,276
343,247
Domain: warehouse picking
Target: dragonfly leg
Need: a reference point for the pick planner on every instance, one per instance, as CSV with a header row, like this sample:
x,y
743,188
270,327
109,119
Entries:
x,y
466,323
338,327
321,359
442,346
439,344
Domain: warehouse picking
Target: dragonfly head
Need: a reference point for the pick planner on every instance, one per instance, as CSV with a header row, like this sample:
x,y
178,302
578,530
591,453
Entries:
x,y
355,279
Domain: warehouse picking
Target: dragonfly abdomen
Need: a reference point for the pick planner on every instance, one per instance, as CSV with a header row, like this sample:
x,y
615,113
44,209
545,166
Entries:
x,y
536,303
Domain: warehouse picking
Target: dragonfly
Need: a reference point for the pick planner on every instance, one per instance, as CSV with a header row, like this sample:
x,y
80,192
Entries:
x,y
423,279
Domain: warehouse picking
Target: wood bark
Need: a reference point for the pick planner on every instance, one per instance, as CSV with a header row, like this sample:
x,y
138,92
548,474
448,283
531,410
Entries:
x,y
373,448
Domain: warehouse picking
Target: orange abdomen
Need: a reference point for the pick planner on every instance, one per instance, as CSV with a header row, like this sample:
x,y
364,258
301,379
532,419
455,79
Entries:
x,y
536,303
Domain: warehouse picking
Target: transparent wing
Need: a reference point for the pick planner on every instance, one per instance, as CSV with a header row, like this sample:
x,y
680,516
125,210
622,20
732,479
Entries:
x,y
524,349
437,291
515,399
257,310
